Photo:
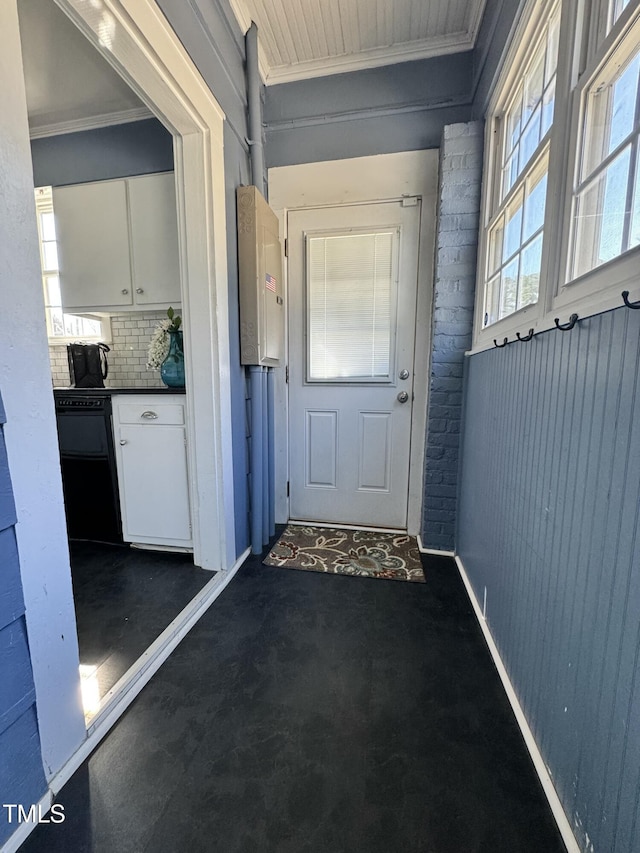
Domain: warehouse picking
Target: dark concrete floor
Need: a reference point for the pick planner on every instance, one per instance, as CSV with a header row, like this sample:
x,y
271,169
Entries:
x,y
124,598
308,713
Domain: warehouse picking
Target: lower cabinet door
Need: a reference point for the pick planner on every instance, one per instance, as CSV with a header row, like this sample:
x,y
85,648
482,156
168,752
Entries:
x,y
154,491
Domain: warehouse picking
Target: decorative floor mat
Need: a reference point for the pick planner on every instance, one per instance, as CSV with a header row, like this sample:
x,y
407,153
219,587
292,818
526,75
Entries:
x,y
364,553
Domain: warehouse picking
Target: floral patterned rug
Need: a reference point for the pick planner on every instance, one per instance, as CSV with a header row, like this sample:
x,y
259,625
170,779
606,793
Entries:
x,y
364,553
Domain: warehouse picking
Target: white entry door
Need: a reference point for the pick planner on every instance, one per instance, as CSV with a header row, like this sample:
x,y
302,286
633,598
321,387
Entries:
x,y
352,316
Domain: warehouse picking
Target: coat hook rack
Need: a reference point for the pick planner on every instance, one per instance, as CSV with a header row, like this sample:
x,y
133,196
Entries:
x,y
565,327
526,337
625,297
503,344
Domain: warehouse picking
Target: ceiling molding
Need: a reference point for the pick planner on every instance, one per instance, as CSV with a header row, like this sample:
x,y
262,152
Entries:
x,y
90,123
455,43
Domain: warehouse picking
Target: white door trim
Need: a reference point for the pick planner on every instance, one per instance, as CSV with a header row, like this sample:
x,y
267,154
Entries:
x,y
135,37
365,179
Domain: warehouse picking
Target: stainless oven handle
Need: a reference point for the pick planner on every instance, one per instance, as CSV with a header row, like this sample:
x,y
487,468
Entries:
x,y
150,416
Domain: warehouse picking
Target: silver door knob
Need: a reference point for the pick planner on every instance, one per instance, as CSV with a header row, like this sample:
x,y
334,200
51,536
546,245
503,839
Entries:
x,y
123,441
139,290
404,374
125,291
403,397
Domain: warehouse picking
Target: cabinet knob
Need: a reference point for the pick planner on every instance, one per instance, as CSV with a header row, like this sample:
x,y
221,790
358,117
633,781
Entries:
x,y
123,441
150,416
125,291
139,290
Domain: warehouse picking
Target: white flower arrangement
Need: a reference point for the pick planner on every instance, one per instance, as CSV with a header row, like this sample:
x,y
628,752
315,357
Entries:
x,y
159,343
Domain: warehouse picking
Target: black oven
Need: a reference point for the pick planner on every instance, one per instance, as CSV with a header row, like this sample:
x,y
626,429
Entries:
x,y
87,457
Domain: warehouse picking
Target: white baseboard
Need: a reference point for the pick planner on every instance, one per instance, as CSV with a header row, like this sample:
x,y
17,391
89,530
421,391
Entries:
x,y
541,769
434,551
123,693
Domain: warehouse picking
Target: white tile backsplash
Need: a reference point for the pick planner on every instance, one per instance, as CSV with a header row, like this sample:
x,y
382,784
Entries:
x,y
130,336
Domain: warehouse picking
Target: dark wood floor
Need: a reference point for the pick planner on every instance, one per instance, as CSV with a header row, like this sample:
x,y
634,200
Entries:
x,y
124,598
308,713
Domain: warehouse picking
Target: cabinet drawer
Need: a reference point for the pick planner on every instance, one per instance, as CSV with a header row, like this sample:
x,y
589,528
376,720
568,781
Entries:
x,y
150,413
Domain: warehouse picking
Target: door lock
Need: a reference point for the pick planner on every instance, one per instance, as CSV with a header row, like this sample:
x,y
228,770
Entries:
x,y
403,397
404,374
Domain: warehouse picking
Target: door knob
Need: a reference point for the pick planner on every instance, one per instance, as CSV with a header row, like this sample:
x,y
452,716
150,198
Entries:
x,y
403,397
123,441
139,290
404,374
125,291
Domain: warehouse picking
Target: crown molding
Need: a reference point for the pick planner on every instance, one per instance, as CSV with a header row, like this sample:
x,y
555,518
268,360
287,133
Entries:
x,y
426,49
90,123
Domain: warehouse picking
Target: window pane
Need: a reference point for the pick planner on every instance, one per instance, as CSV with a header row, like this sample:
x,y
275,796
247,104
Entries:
x,y
56,321
350,296
530,273
617,7
52,293
495,246
599,217
534,85
610,111
509,288
530,139
513,229
48,226
492,301
552,47
548,104
50,253
535,201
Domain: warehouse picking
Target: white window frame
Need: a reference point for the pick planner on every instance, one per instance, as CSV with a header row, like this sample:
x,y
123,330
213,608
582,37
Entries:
x,y
584,46
44,204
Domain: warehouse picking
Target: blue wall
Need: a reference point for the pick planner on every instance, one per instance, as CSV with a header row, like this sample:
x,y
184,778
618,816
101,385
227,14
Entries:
x,y
548,524
136,148
210,34
401,107
22,777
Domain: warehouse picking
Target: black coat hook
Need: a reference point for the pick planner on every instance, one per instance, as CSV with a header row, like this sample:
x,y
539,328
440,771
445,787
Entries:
x,y
503,344
564,327
526,338
625,296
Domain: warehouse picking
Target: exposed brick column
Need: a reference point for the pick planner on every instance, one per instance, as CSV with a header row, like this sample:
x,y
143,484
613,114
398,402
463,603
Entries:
x,y
454,293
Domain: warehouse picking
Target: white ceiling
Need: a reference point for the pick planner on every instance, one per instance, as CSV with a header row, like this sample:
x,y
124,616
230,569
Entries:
x,y
313,38
69,85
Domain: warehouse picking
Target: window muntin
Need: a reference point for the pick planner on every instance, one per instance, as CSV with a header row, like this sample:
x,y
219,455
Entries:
x,y
59,324
351,306
605,217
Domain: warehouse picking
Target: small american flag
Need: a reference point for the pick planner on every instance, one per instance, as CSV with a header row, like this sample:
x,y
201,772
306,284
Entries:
x,y
270,283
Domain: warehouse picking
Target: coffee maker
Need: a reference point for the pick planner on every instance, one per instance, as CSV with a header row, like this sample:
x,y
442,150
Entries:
x,y
88,367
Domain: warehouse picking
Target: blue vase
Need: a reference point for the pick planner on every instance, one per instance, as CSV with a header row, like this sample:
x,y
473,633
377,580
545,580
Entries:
x,y
172,368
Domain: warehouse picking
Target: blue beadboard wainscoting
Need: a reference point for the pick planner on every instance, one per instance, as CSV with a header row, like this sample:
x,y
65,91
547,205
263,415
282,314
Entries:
x,y
22,778
548,535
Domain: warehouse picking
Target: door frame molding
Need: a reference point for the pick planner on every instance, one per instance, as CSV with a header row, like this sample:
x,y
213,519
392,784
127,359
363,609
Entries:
x,y
364,180
138,41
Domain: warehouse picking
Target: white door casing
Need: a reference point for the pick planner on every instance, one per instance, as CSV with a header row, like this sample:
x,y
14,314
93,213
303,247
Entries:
x,y
351,385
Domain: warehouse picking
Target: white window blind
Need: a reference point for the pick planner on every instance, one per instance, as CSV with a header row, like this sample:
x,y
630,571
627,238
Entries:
x,y
350,306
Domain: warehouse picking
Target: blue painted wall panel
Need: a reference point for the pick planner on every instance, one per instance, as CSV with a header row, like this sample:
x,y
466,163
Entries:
x,y
137,148
22,777
548,524
21,774
401,107
11,600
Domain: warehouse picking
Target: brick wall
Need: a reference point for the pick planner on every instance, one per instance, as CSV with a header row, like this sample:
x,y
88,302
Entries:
x,y
454,293
130,336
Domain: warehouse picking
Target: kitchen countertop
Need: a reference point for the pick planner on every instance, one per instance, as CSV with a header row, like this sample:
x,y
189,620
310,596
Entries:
x,y
111,391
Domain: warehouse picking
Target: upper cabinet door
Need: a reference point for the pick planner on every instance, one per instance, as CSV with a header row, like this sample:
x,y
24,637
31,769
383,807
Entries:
x,y
93,244
154,239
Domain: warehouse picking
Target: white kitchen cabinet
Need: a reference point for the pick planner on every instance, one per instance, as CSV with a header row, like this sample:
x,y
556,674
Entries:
x,y
118,244
151,459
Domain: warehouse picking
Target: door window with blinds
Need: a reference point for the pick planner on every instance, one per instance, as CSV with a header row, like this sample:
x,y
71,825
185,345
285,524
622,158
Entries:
x,y
351,299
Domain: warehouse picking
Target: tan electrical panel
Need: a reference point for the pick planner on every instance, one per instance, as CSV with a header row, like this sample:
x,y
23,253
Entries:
x,y
260,270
